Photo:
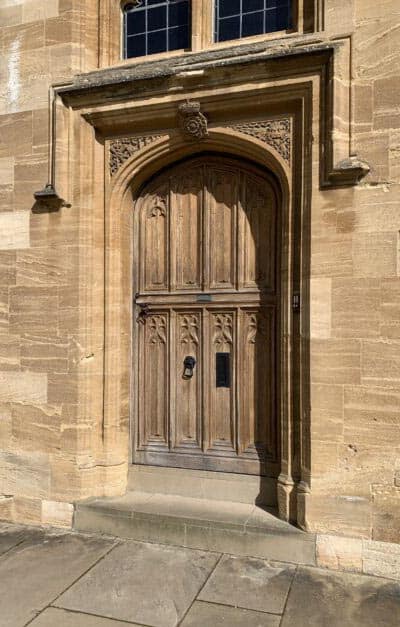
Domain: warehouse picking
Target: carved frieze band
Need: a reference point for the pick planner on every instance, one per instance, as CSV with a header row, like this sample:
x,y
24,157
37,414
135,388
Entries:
x,y
122,149
276,133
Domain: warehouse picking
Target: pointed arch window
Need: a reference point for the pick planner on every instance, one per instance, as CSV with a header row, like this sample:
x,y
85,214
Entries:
x,y
154,26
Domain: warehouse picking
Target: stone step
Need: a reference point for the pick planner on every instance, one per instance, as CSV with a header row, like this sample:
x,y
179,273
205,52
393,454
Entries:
x,y
221,526
202,484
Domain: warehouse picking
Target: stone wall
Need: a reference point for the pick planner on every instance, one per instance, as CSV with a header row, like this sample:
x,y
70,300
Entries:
x,y
49,451
44,458
355,348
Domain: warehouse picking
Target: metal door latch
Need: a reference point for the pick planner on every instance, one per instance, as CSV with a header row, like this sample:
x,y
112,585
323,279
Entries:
x,y
188,367
144,312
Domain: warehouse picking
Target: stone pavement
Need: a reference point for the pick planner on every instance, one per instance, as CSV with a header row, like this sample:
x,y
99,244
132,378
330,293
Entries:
x,y
50,578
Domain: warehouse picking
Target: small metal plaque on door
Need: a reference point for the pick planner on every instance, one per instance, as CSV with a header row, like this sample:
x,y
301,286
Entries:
x,y
223,370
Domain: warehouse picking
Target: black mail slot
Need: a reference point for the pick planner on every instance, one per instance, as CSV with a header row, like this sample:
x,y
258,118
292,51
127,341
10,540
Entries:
x,y
223,370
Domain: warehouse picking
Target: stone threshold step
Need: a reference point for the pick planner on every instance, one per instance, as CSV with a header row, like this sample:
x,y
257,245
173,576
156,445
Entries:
x,y
202,484
221,526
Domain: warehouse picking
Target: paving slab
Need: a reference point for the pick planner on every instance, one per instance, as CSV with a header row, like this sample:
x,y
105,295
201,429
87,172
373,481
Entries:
x,y
318,598
203,614
53,617
36,571
249,583
142,583
10,536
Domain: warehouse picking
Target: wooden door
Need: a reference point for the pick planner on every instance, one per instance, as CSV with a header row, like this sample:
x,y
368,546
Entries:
x,y
206,282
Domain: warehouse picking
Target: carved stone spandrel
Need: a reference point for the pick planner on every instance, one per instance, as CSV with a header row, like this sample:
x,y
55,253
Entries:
x,y
122,149
276,133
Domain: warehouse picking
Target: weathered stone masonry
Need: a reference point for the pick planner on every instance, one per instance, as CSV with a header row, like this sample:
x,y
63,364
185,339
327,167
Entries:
x,y
57,381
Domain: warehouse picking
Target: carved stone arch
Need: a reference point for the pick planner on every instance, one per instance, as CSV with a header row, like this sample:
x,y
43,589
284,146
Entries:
x,y
165,150
144,164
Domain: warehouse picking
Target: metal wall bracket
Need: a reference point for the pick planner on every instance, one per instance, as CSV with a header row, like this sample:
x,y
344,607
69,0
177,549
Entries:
x,y
48,199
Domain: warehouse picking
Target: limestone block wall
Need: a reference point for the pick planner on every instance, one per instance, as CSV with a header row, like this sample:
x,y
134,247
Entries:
x,y
48,445
45,453
355,285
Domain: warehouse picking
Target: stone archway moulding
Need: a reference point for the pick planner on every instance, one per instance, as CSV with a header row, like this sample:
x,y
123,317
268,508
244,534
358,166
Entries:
x,y
92,113
134,171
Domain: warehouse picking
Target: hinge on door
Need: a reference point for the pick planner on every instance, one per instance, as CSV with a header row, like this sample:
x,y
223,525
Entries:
x,y
296,302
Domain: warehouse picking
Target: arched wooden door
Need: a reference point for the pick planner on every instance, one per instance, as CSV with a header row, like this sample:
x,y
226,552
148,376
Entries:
x,y
206,277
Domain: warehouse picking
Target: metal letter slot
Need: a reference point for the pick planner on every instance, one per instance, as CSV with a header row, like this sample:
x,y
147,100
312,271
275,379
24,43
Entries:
x,y
188,367
223,370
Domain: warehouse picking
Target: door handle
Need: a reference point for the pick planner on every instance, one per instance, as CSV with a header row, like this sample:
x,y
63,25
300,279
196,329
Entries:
x,y
188,366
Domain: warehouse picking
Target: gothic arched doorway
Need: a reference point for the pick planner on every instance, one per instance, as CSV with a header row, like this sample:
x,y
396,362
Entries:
x,y
206,320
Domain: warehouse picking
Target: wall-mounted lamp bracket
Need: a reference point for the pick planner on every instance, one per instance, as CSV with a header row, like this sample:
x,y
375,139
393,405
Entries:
x,y
48,199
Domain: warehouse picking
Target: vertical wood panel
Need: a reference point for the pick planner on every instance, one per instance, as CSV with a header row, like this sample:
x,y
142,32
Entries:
x,y
257,409
257,242
187,401
154,241
186,229
222,206
222,399
153,381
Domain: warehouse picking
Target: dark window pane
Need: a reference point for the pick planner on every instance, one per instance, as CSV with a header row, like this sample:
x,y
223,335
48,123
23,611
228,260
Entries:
x,y
253,5
163,24
254,16
135,23
157,42
178,14
157,18
136,46
283,19
178,38
229,7
277,19
229,28
253,24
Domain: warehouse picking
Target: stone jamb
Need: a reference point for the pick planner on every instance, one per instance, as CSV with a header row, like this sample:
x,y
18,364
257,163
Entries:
x,y
296,87
112,446
165,151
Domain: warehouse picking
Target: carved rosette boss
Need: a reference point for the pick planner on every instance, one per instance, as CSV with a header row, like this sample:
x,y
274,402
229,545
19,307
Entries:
x,y
192,121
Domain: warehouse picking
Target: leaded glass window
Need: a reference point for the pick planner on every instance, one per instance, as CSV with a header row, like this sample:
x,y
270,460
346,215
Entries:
x,y
235,19
152,26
